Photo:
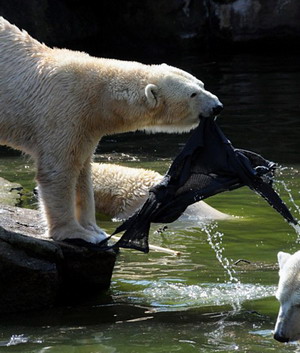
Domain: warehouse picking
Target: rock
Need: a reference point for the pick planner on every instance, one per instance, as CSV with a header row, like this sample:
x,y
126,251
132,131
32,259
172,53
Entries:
x,y
27,282
36,272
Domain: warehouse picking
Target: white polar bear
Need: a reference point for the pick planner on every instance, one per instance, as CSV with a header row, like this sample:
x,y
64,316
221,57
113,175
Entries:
x,y
120,191
56,104
287,326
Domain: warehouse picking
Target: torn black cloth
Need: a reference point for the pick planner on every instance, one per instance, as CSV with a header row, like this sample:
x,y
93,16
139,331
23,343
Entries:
x,y
207,165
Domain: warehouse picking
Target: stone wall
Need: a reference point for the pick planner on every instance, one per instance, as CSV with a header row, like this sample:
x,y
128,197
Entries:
x,y
243,20
116,28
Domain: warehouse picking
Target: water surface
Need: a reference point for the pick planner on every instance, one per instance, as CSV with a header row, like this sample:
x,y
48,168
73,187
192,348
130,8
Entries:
x,y
200,301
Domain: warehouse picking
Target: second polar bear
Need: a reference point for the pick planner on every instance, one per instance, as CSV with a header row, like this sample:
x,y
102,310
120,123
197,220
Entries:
x,y
56,104
120,191
288,293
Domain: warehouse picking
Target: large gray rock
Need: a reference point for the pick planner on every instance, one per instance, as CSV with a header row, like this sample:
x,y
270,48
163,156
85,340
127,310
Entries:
x,y
27,282
36,272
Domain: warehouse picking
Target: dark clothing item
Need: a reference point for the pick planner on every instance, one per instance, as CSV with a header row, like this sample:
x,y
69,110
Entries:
x,y
207,165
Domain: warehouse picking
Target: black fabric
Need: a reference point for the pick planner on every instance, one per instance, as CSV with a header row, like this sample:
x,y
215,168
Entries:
x,y
207,165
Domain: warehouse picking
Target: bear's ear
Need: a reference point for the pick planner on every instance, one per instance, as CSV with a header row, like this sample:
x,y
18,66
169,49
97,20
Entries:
x,y
151,93
282,258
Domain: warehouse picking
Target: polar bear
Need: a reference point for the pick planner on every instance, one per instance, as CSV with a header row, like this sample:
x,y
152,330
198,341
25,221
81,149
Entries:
x,y
56,104
120,191
287,326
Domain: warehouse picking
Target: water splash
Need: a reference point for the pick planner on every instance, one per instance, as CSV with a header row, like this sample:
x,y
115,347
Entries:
x,y
165,295
215,240
295,208
297,230
15,340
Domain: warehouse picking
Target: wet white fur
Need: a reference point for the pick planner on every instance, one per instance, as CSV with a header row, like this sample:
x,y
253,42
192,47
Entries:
x,y
120,191
56,104
288,293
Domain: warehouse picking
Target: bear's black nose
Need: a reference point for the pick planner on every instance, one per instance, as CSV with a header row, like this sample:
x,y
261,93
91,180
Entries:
x,y
217,109
280,338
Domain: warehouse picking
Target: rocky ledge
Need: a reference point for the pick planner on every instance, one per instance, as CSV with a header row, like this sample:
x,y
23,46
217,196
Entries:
x,y
36,272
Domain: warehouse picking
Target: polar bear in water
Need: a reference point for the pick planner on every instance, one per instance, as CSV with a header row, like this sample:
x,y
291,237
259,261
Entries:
x,y
287,326
120,191
56,104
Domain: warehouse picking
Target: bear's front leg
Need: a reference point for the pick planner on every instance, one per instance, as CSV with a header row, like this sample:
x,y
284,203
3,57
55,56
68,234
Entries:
x,y
57,185
85,202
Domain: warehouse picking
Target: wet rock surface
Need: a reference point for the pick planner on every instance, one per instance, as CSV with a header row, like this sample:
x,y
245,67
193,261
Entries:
x,y
36,272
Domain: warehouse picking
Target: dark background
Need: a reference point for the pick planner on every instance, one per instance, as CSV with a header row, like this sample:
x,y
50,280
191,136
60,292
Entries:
x,y
148,30
246,51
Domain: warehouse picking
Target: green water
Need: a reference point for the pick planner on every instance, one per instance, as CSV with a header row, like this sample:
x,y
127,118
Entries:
x,y
200,301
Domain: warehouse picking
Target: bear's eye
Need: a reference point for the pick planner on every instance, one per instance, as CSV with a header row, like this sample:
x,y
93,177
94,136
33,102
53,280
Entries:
x,y
193,95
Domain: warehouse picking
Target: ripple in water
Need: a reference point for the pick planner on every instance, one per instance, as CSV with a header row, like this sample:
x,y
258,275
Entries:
x,y
15,340
178,295
167,295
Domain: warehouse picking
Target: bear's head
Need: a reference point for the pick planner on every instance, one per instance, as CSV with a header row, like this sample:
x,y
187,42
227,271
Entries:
x,y
155,98
177,100
287,326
